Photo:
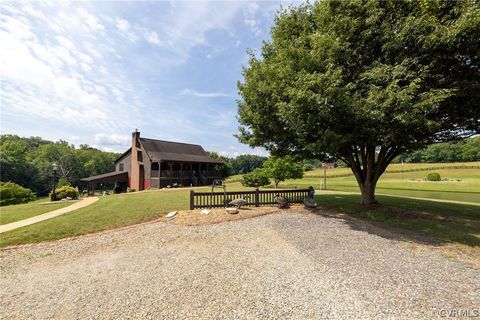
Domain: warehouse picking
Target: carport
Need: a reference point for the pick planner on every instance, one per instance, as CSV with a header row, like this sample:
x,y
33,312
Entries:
x,y
119,179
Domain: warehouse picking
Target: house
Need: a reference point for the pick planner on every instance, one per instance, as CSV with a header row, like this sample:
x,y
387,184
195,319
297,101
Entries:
x,y
150,163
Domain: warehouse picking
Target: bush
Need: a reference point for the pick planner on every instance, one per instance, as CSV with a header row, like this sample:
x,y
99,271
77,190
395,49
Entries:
x,y
307,167
256,178
62,182
433,176
66,191
12,193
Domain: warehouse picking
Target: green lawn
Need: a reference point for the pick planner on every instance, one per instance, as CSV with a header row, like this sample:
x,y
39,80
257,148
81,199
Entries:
x,y
107,213
462,227
125,209
412,184
18,212
397,167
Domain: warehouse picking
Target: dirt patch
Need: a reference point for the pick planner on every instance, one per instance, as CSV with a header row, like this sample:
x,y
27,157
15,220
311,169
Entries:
x,y
219,215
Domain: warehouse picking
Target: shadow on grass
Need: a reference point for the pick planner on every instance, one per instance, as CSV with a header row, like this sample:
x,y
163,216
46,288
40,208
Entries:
x,y
421,221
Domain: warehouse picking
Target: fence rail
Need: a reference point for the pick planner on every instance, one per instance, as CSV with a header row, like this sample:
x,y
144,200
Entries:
x,y
254,198
340,175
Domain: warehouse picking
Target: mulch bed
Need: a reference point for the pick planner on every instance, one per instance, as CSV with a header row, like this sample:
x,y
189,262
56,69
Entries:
x,y
219,215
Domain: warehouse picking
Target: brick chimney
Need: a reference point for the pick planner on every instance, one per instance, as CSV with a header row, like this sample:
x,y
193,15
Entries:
x,y
135,167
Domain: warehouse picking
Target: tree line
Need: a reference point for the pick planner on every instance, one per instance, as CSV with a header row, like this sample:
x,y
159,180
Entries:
x,y
454,151
28,162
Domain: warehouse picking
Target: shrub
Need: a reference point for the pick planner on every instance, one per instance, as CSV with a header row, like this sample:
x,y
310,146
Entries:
x,y
256,178
433,176
62,182
66,191
307,167
12,193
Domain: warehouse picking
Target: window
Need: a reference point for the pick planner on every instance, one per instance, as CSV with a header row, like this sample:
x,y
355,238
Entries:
x,y
154,169
120,167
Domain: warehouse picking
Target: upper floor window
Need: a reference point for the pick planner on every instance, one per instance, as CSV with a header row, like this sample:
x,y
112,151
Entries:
x,y
120,167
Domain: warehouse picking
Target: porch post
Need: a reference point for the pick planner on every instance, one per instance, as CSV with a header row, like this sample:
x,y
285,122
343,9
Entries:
x,y
181,173
170,170
191,173
159,173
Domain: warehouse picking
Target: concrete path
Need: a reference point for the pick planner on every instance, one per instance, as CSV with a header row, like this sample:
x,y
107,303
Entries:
x,y
52,214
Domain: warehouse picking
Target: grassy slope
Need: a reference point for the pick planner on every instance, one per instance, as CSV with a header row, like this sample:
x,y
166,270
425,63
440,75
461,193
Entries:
x,y
395,167
107,213
18,212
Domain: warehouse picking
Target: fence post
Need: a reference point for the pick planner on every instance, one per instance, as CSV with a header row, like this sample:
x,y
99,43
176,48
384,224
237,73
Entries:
x,y
192,196
257,197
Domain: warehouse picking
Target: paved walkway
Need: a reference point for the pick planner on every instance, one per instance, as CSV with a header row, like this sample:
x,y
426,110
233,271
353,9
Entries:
x,y
52,214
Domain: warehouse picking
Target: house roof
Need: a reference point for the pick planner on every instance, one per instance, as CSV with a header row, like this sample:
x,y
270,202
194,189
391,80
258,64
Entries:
x,y
115,176
159,150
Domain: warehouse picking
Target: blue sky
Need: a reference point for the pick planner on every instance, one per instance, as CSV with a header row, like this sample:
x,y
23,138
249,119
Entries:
x,y
92,72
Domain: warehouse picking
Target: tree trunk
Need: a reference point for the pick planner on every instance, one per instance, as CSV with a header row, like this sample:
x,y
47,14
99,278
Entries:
x,y
368,193
368,162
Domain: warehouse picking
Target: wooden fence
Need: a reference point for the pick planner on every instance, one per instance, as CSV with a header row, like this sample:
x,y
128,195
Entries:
x,y
341,175
254,198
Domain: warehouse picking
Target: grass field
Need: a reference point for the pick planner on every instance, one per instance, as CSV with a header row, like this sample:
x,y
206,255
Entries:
x,y
397,167
18,212
125,209
463,184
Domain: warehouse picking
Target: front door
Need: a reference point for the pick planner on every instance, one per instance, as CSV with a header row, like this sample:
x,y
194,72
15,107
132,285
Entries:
x,y
141,178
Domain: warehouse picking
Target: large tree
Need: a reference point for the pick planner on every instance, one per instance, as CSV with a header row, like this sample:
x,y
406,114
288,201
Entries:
x,y
364,81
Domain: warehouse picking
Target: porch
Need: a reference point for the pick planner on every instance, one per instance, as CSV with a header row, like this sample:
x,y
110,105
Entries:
x,y
164,173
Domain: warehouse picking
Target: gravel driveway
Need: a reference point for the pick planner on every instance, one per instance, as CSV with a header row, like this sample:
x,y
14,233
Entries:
x,y
289,265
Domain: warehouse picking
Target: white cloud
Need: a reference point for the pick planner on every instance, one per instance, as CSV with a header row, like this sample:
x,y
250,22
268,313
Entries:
x,y
47,73
233,151
89,21
152,37
189,92
110,139
125,29
250,19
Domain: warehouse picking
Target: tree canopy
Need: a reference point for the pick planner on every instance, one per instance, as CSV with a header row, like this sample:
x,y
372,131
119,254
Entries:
x,y
28,162
281,169
364,81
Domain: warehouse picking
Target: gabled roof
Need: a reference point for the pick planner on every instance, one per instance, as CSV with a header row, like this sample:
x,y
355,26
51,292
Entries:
x,y
123,154
175,151
115,176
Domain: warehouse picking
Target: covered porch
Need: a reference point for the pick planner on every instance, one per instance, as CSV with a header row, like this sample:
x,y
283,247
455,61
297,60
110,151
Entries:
x,y
179,173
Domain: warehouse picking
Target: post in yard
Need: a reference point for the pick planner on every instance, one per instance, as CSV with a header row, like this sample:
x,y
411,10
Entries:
x,y
325,166
324,178
192,199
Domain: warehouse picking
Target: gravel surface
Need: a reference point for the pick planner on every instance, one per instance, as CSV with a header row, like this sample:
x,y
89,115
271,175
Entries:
x,y
287,265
